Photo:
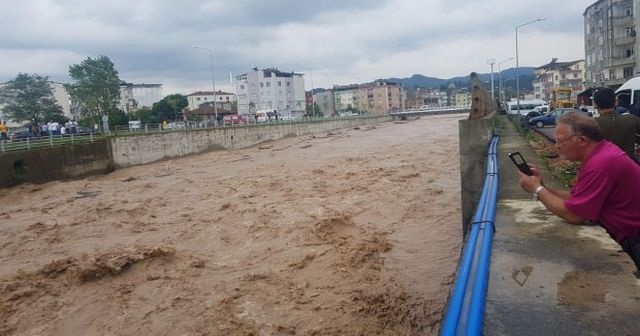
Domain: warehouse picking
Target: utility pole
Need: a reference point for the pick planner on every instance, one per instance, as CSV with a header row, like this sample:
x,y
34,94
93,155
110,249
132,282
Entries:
x,y
491,62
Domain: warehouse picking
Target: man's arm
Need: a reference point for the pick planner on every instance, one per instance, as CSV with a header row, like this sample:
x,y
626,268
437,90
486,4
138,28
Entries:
x,y
562,194
555,204
552,199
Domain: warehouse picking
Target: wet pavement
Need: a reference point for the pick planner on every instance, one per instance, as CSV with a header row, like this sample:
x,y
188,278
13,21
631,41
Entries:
x,y
549,277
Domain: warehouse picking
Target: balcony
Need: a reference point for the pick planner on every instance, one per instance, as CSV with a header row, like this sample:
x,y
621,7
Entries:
x,y
623,40
623,60
623,20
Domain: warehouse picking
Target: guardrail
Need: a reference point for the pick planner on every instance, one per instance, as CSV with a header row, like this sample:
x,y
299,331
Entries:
x,y
465,311
182,126
427,111
47,142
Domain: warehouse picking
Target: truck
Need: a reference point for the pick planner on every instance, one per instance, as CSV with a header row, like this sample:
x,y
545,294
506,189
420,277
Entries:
x,y
561,97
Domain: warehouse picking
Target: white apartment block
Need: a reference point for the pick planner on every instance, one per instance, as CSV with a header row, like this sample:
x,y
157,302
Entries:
x,y
137,96
200,97
261,89
555,75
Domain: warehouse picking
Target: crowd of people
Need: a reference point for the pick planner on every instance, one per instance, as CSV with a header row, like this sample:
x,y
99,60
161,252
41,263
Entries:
x,y
56,128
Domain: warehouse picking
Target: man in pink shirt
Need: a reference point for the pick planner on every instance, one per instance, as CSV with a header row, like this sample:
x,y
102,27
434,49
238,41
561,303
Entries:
x,y
607,190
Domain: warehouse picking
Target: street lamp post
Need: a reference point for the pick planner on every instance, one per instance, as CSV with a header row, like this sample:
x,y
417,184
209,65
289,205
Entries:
x,y
491,62
518,65
213,82
500,84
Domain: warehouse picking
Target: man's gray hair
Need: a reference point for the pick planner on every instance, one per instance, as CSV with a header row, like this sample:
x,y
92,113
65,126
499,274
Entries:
x,y
582,124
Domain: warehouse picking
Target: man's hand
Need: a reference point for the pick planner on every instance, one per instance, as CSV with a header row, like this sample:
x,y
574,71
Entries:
x,y
529,183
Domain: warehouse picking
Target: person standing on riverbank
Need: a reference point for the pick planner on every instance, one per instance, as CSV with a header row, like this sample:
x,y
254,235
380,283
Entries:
x,y
621,129
3,131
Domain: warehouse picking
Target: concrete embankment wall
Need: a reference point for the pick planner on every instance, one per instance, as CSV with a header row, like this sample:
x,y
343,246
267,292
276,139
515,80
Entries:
x,y
145,148
56,163
67,162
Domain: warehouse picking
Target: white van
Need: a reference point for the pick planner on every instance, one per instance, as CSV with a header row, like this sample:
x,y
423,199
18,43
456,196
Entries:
x,y
526,106
264,115
629,93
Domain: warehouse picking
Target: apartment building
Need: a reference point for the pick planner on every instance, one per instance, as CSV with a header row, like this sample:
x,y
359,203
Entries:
x,y
261,89
345,97
380,97
559,75
611,42
462,98
425,97
325,100
137,96
223,99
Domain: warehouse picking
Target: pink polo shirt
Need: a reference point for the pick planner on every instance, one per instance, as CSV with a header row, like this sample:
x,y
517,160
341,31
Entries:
x,y
608,191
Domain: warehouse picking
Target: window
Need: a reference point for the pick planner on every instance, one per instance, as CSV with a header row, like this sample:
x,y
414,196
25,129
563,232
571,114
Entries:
x,y
241,87
628,52
261,84
268,84
629,32
612,74
288,84
627,72
279,83
198,98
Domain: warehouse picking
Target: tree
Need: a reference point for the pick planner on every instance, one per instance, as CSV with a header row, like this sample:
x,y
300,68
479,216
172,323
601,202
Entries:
x,y
30,98
315,112
144,115
96,89
169,108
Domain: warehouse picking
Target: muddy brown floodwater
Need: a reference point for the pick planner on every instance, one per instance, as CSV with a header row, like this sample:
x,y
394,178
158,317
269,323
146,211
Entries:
x,y
352,232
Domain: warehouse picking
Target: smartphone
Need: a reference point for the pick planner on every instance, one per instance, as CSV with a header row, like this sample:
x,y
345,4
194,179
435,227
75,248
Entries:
x,y
519,161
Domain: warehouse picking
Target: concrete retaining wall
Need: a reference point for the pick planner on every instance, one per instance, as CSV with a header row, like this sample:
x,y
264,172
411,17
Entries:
x,y
56,163
144,148
475,136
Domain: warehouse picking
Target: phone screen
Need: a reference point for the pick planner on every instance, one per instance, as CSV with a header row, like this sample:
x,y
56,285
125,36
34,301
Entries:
x,y
519,161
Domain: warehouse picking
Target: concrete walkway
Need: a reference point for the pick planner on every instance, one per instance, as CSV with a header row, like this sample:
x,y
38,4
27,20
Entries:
x,y
549,277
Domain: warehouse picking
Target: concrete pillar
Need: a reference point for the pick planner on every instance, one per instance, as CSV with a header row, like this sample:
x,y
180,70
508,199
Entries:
x,y
475,136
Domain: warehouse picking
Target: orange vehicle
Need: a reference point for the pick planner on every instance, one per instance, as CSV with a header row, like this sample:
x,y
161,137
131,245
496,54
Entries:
x,y
561,97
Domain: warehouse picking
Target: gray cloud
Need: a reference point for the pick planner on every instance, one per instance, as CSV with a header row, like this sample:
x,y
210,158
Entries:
x,y
151,41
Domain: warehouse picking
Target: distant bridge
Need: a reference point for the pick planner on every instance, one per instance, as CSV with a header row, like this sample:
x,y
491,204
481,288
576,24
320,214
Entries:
x,y
424,111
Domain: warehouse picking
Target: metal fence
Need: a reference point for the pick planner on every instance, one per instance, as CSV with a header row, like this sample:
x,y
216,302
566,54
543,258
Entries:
x,y
48,141
71,139
180,126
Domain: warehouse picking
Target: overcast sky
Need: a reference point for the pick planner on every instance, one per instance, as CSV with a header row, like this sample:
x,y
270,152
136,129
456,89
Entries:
x,y
330,41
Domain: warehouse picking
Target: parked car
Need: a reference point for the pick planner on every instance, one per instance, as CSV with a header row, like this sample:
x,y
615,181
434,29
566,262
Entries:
x,y
550,118
81,130
532,115
19,134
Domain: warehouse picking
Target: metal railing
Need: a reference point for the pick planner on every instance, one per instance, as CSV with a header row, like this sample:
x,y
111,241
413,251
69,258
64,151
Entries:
x,y
48,142
182,126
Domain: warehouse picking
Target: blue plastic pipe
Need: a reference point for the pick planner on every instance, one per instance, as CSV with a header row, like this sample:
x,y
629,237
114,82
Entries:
x,y
465,311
